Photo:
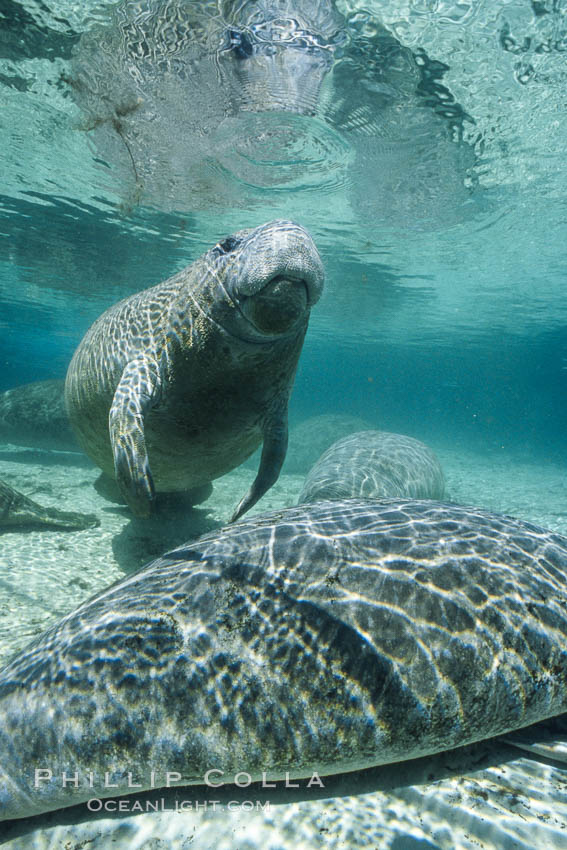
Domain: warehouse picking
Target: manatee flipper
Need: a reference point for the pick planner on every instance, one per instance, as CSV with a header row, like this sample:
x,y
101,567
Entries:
x,y
274,449
138,390
17,511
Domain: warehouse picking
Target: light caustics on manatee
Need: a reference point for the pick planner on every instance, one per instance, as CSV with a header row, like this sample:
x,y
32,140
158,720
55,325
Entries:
x,y
375,465
178,384
324,638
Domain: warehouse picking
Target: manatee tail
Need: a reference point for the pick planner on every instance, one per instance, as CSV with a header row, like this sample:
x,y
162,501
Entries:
x,y
17,511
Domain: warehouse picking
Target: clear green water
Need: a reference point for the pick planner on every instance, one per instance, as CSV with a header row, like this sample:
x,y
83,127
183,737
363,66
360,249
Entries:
x,y
429,168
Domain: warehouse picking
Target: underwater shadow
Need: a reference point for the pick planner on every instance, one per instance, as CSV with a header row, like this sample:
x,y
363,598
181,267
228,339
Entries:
x,y
143,540
423,772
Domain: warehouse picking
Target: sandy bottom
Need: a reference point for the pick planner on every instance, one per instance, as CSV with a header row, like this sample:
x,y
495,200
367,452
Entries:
x,y
492,798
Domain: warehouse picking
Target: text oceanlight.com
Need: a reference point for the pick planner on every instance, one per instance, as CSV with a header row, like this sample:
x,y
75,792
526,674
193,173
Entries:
x,y
162,805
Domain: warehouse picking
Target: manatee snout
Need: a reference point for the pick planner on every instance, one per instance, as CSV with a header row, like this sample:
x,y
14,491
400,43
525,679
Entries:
x,y
281,280
279,250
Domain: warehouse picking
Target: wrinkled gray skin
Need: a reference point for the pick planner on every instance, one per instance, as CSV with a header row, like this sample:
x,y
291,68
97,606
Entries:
x,y
279,52
270,55
178,384
329,637
375,465
19,512
183,98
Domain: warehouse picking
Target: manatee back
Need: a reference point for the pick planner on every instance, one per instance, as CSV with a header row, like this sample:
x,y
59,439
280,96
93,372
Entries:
x,y
327,637
375,465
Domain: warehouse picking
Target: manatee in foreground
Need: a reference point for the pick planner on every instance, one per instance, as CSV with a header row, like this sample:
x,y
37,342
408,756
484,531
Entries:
x,y
375,465
178,384
19,512
34,415
329,637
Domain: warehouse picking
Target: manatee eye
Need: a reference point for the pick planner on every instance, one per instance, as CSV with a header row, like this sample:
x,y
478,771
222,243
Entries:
x,y
228,245
240,44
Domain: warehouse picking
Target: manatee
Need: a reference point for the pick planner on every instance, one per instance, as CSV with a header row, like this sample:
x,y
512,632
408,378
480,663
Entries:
x,y
309,438
375,465
18,512
324,638
178,384
218,100
34,415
